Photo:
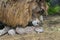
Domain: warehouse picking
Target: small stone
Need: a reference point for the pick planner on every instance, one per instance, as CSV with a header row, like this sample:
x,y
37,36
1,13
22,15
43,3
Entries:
x,y
1,32
4,30
20,30
39,30
11,32
29,29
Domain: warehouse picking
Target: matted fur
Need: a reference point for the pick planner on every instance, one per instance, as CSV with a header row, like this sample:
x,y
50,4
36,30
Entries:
x,y
19,12
16,13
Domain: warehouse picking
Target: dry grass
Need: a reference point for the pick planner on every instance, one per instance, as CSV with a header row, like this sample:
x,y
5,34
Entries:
x,y
42,36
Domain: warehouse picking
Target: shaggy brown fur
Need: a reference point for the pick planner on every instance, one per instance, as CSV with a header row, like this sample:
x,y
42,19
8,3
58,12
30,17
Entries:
x,y
19,12
16,13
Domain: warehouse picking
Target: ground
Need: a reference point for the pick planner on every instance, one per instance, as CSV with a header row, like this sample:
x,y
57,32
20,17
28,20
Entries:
x,y
51,31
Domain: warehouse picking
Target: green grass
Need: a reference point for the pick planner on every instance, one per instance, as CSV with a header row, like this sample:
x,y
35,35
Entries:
x,y
53,10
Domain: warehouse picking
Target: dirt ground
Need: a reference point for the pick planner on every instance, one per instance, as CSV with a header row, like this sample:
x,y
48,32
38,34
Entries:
x,y
51,31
